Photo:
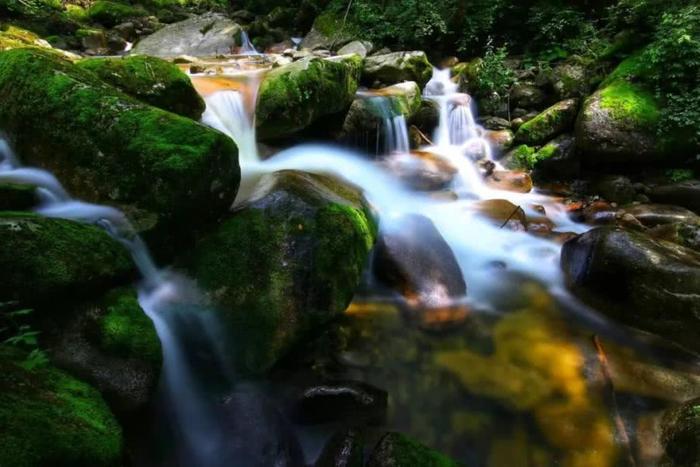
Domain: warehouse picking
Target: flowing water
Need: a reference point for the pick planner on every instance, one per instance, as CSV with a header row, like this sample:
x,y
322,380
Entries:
x,y
247,47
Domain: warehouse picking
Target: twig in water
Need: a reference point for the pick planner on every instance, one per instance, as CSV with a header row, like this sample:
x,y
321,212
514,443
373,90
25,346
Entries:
x,y
619,423
517,208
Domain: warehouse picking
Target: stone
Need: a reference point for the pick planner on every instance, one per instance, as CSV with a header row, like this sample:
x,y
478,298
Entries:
x,y
350,402
397,450
552,122
396,67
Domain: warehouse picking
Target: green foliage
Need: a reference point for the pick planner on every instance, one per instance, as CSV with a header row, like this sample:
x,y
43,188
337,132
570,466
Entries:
x,y
679,175
492,74
16,331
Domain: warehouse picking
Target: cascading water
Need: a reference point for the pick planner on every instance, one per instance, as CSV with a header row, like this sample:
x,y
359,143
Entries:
x,y
395,130
247,47
171,301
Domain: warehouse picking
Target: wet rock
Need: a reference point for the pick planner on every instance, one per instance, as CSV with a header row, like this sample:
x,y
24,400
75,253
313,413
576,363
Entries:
x,y
126,30
48,259
684,234
294,96
412,257
396,67
286,264
495,123
615,188
652,215
527,96
501,140
681,435
686,194
205,35
343,449
257,435
558,159
649,284
50,418
421,170
550,123
151,80
14,197
570,79
502,213
162,169
361,48
509,180
397,450
427,117
113,345
347,401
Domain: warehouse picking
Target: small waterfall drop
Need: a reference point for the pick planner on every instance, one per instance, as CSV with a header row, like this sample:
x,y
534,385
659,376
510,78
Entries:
x,y
395,130
247,47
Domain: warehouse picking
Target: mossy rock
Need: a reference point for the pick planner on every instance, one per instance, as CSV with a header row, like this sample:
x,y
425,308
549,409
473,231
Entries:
x,y
152,80
13,38
520,157
109,148
396,67
125,330
50,258
286,264
550,123
294,96
398,450
15,197
110,14
330,32
50,418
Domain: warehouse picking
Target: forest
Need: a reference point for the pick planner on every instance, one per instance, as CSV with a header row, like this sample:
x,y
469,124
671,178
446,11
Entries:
x,y
349,233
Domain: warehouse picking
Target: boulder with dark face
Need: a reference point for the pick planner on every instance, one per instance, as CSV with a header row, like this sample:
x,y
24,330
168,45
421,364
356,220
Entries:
x,y
680,435
649,284
552,122
396,67
285,264
413,258
343,449
200,36
397,450
347,401
558,159
686,194
527,96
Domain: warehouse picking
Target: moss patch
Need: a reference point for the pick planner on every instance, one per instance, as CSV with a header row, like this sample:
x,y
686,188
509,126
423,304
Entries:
x,y
550,123
50,418
630,103
151,80
112,13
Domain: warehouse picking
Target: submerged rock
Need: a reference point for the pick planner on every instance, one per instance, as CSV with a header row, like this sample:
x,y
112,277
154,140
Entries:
x,y
343,449
550,123
46,259
161,168
414,259
294,96
681,435
113,345
649,284
200,36
396,67
397,450
351,402
50,418
286,264
151,80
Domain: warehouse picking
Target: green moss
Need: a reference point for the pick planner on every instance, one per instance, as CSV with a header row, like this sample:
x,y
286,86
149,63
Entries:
x,y
49,418
107,147
294,96
126,331
630,103
399,450
548,124
633,67
151,80
112,13
525,156
76,13
45,258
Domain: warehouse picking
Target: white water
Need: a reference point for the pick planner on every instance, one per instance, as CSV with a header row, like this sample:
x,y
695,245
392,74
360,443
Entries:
x,y
247,47
395,130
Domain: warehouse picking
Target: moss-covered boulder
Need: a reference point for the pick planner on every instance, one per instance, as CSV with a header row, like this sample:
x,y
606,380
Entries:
x,y
397,450
558,158
160,168
152,80
294,96
286,264
110,14
550,123
113,345
44,258
14,38
17,197
328,32
652,285
396,67
50,418
681,435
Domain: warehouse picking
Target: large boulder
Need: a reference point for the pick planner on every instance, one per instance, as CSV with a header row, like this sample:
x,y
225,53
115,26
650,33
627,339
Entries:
x,y
618,125
50,418
686,194
15,38
45,259
397,450
205,35
151,80
327,33
294,96
649,284
396,67
680,435
160,168
571,78
550,123
285,264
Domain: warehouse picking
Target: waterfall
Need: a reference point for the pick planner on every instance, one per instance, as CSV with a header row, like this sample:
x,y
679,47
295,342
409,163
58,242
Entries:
x,y
226,111
394,127
247,47
172,302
